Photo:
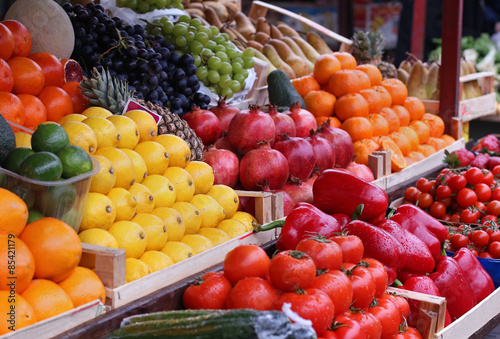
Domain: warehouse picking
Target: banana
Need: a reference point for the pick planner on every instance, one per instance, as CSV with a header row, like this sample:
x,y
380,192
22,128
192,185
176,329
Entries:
x,y
416,80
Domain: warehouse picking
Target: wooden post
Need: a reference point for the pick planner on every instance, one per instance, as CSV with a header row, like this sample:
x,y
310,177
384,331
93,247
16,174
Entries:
x,y
418,28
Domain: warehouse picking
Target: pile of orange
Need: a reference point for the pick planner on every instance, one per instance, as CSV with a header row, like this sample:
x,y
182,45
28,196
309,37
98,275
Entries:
x,y
39,272
377,113
32,86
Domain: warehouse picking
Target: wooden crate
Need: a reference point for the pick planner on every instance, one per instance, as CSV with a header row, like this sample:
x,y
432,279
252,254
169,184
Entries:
x,y
109,263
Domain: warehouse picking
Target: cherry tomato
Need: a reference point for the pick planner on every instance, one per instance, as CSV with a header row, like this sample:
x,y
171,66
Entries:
x,y
347,328
487,219
479,238
351,246
252,292
246,261
370,324
474,175
328,334
443,191
363,286
495,236
325,253
494,249
447,202
495,171
469,216
458,241
437,210
338,287
446,217
423,185
444,176
483,192
455,217
493,207
410,333
411,194
388,315
290,270
400,302
474,251
495,194
486,255
207,292
425,200
457,182
488,177
481,207
379,275
466,197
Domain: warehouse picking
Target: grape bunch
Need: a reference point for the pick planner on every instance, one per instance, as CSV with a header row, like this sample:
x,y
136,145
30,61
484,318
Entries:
x,y
222,67
144,6
151,66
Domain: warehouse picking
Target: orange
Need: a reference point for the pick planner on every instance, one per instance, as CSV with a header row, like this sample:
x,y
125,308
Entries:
x,y
374,99
378,138
72,70
448,139
347,61
22,315
55,247
12,108
22,38
13,213
373,73
24,267
422,130
426,149
412,136
332,121
397,89
402,141
7,42
28,76
57,102
47,298
386,96
320,103
80,101
391,117
379,124
351,105
358,128
325,66
436,124
415,107
362,149
347,81
83,286
397,159
437,143
305,84
6,77
34,110
51,67
403,114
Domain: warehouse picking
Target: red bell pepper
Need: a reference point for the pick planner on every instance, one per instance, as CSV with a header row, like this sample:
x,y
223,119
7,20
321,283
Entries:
x,y
336,191
304,220
478,278
452,283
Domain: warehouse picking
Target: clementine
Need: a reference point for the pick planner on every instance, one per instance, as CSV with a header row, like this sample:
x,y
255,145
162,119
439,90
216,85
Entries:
x,y
332,121
358,128
422,130
415,107
448,139
24,267
397,159
34,110
402,141
437,143
351,105
373,73
51,67
305,84
57,102
28,76
426,149
47,298
347,81
412,136
83,286
436,124
347,61
22,38
403,114
416,156
397,89
379,124
374,99
362,149
386,96
325,66
13,213
391,117
320,103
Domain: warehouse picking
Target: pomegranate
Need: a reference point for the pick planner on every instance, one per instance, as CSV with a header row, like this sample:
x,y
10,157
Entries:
x,y
288,203
303,119
262,165
312,179
223,143
204,123
325,156
341,143
299,154
250,127
360,170
224,112
225,165
299,191
283,123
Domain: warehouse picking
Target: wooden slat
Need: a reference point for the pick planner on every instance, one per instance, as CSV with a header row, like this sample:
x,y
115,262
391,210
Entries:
x,y
109,264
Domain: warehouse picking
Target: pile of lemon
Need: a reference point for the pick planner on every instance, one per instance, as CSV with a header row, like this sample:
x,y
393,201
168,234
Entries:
x,y
148,197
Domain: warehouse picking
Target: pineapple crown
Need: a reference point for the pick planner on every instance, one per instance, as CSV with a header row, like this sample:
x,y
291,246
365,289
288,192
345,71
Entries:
x,y
368,45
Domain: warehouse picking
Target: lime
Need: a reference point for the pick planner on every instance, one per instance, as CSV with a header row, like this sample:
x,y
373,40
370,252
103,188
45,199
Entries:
x,y
60,199
49,137
34,215
16,157
44,166
75,161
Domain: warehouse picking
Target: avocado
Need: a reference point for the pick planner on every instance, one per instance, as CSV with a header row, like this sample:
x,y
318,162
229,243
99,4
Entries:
x,y
7,139
281,90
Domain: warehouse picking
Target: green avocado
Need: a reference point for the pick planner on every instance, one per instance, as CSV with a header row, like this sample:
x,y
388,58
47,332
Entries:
x,y
281,91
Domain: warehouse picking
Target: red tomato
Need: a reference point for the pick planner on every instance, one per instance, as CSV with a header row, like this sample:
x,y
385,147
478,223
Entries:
x,y
493,207
446,217
469,216
363,286
351,246
457,182
388,315
207,292
483,192
495,171
446,202
410,333
486,255
437,210
246,261
252,292
400,302
443,191
494,249
495,236
466,197
424,185
347,328
369,323
325,253
328,335
495,194
379,275
488,218
488,177
459,240
480,206
424,200
338,287
311,304
290,270
474,176
480,238
411,194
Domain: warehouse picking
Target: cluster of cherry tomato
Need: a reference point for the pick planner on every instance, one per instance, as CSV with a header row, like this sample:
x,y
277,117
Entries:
x,y
483,241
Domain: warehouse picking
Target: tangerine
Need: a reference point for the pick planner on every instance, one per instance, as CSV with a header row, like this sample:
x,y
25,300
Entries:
x,y
80,101
347,61
332,121
412,136
402,141
379,124
35,111
374,99
437,143
325,66
415,107
391,117
320,103
28,76
386,96
22,38
12,109
403,114
398,161
47,298
305,84
448,139
83,286
436,124
373,73
362,149
397,89
426,149
51,66
422,130
347,81
351,105
24,313
57,102
358,128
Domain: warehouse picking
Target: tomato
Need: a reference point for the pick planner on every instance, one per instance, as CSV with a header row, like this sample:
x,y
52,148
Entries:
x,y
495,194
379,275
446,217
311,304
252,292
474,251
363,286
347,328
486,255
443,191
290,270
466,197
469,216
400,302
495,236
480,206
446,202
488,178
495,171
410,333
424,200
411,194
325,253
455,217
246,261
493,207
338,287
437,210
207,292
369,323
351,246
457,182
488,219
424,185
483,192
459,240
494,249
479,238
328,335
388,315
474,176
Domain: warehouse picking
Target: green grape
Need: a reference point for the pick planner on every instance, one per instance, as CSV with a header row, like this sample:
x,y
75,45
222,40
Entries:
x,y
213,89
196,22
150,2
152,7
206,54
185,50
214,63
189,36
224,81
237,67
161,3
180,41
205,30
143,7
179,51
248,52
121,3
216,87
197,60
231,53
226,92
228,45
168,27
163,20
238,60
225,68
235,86
179,6
156,31
184,18
201,73
222,56
195,47
248,62
202,37
192,29
219,48
211,45
213,76
244,72
240,78
180,29
215,30
226,36
219,40
205,82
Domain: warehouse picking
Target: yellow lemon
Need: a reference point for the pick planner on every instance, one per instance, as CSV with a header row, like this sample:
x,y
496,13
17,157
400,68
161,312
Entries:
x,y
162,189
135,269
232,227
105,131
211,212
96,111
72,117
215,235
203,176
154,228
226,197
103,181
122,165
127,131
125,203
246,219
144,197
155,156
141,170
131,237
99,212
156,260
177,149
197,242
173,220
177,250
190,215
182,181
95,236
146,124
82,135
23,139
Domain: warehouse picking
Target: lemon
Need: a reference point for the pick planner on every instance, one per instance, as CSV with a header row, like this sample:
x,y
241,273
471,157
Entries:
x,y
141,170
226,197
72,117
154,228
96,112
23,139
105,131
162,189
215,235
203,176
177,149
146,124
99,212
177,250
82,135
232,227
95,236
122,165
127,130
211,212
135,269
246,219
173,220
190,215
125,203
103,181
144,197
182,181
131,237
156,260
197,242
155,156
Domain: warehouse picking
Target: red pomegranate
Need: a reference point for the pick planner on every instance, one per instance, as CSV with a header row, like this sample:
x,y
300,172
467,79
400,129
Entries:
x,y
204,123
299,191
299,154
225,165
224,112
283,123
303,119
325,156
361,171
341,143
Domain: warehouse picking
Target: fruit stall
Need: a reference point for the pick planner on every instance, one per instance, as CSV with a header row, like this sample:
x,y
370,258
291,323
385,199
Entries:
x,y
195,169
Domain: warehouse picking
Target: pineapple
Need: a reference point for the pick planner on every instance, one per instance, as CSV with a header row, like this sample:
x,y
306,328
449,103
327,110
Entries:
x,y
368,48
113,94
